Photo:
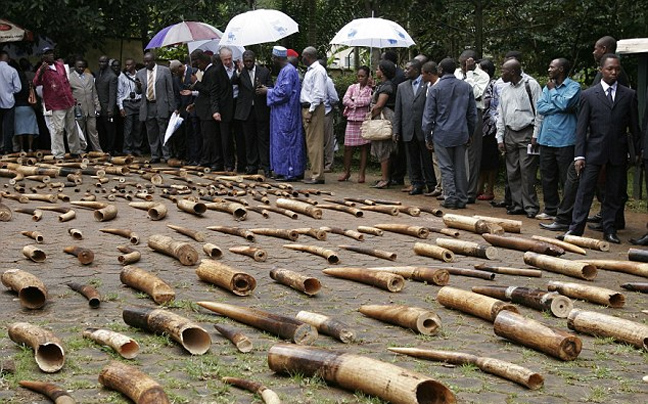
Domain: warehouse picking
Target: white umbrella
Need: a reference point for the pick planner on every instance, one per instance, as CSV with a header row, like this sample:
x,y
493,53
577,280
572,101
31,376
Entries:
x,y
374,33
258,26
10,32
214,46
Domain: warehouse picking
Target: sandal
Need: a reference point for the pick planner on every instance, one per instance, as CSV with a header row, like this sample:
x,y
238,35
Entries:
x,y
382,184
344,177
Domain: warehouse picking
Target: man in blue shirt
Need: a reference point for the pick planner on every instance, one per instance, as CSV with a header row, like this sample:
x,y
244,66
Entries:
x,y
557,107
448,123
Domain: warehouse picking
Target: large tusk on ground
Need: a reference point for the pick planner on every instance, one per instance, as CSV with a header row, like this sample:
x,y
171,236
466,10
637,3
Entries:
x,y
87,291
240,340
472,303
389,382
125,346
414,318
55,393
133,383
305,284
268,396
139,279
32,293
385,280
593,294
48,349
190,335
237,282
183,252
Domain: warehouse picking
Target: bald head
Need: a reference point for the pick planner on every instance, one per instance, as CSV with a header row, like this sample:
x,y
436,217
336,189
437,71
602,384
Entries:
x,y
511,71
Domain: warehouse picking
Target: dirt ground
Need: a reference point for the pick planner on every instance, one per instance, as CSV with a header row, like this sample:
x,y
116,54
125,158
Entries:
x,y
605,371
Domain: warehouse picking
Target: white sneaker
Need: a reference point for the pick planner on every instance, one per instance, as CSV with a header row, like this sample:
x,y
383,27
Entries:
x,y
544,216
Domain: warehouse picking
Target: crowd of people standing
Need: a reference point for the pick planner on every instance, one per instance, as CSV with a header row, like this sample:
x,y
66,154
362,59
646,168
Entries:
x,y
452,122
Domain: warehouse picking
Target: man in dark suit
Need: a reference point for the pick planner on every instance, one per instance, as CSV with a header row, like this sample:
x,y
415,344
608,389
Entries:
x,y
155,84
254,114
607,112
408,118
106,84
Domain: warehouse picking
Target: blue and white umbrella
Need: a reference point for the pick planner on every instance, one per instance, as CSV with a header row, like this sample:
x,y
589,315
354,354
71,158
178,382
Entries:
x,y
373,33
258,26
183,32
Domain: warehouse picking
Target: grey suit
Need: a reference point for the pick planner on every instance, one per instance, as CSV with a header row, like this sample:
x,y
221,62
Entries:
x,y
85,95
407,123
155,113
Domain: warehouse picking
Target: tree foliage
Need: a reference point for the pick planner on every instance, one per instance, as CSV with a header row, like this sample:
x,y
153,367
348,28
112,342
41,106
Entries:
x,y
542,30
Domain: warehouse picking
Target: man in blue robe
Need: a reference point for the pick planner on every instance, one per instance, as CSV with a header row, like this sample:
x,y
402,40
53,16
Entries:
x,y
287,157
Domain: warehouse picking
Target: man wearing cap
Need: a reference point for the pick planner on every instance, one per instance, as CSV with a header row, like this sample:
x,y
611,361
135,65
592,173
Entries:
x,y
57,96
286,141
312,98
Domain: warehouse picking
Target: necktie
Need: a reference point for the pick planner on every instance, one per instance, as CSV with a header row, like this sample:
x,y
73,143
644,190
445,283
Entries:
x,y
150,86
609,95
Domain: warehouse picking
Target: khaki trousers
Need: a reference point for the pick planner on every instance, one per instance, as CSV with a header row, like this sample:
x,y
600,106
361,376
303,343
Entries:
x,y
315,141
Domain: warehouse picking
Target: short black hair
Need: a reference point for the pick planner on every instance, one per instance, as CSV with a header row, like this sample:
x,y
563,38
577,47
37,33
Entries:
x,y
467,54
388,68
415,64
198,54
609,42
247,53
391,56
609,56
488,66
517,55
448,66
430,67
565,64
366,69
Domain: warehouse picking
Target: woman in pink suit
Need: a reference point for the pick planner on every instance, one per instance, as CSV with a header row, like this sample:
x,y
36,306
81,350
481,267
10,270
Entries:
x,y
356,106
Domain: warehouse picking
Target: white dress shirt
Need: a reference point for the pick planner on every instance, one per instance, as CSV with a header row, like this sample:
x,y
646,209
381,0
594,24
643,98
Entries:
x,y
313,88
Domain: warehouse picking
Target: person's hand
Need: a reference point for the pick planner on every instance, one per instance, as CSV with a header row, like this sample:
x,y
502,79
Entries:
x,y
470,64
395,138
185,92
122,112
190,107
579,165
429,145
216,116
261,90
501,148
551,85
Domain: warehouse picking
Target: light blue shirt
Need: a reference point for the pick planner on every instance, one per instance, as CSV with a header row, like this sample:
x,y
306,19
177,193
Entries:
x,y
415,84
331,96
9,85
559,107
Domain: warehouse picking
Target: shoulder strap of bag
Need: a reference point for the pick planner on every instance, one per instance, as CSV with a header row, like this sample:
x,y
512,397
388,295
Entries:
x,y
528,90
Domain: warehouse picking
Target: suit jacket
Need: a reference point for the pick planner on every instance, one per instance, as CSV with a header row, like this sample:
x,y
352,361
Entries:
x,y
602,131
207,101
164,96
408,112
106,84
85,93
225,93
247,95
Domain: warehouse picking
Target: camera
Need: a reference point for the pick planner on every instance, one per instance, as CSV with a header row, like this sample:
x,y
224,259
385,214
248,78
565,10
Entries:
x,y
132,95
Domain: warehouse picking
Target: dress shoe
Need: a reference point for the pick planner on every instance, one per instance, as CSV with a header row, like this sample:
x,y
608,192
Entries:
x,y
568,233
434,193
313,181
554,226
515,212
643,240
286,179
440,198
449,205
611,238
154,161
471,201
268,174
595,226
531,215
251,171
595,219
416,191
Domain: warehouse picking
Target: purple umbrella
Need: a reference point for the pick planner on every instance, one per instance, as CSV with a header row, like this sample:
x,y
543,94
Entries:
x,y
182,32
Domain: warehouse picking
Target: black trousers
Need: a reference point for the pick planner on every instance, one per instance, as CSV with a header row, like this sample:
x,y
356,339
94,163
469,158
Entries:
x,y
419,162
107,133
212,155
398,163
613,199
257,143
554,164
